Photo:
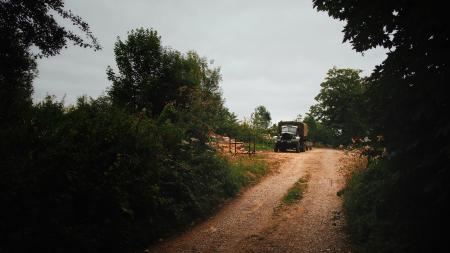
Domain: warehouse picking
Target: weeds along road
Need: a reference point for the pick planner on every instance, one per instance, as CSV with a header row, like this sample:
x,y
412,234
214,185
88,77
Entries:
x,y
257,221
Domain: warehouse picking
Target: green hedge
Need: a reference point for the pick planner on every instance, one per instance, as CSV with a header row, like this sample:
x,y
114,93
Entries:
x,y
92,178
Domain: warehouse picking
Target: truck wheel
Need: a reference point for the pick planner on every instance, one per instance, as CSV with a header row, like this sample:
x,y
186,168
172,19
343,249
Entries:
x,y
275,149
297,148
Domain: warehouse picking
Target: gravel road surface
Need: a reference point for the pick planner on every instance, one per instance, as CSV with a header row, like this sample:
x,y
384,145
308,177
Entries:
x,y
257,221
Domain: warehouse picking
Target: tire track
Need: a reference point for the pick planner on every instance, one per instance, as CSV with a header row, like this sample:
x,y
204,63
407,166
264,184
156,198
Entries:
x,y
250,223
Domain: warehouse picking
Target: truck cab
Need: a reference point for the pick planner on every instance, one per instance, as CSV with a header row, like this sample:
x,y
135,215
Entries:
x,y
291,135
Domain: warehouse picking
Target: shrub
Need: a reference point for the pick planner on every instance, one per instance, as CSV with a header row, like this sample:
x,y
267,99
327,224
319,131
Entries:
x,y
371,205
97,179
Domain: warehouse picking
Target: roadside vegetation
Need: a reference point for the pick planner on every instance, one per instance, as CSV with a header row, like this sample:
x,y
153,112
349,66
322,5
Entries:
x,y
114,173
337,117
296,192
247,170
397,117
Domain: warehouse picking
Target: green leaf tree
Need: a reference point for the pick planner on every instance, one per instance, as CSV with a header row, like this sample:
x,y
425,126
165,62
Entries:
x,y
408,104
143,74
260,118
152,76
25,25
319,133
340,104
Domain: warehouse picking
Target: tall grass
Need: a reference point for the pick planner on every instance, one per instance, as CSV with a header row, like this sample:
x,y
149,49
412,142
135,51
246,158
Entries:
x,y
264,146
247,170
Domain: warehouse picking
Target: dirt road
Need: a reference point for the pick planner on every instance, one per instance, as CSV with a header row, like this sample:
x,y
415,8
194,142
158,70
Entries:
x,y
256,221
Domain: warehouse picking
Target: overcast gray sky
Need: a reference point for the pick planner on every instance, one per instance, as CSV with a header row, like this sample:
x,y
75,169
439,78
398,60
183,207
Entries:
x,y
271,53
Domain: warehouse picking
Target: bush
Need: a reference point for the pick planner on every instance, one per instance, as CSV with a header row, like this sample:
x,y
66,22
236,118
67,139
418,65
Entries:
x,y
116,173
386,212
363,201
97,179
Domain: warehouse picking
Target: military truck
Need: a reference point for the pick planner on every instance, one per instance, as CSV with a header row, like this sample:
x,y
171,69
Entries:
x,y
291,135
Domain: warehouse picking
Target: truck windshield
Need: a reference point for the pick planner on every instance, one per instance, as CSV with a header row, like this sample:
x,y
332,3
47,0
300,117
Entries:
x,y
289,129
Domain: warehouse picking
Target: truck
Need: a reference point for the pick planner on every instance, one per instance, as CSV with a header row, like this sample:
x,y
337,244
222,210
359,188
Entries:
x,y
291,135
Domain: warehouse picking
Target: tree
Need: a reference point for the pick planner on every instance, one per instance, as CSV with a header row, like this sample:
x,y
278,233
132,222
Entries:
x,y
340,104
408,106
140,64
27,24
260,118
104,177
28,29
299,117
319,133
151,76
32,23
228,123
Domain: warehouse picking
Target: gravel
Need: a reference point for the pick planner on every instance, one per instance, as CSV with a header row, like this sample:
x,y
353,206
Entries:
x,y
257,221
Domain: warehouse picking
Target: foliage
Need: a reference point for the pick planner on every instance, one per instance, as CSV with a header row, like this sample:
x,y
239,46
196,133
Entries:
x,y
25,25
17,70
33,23
263,145
365,199
260,118
112,174
229,124
340,104
151,76
28,30
248,131
319,133
273,130
295,193
407,103
145,73
247,170
103,180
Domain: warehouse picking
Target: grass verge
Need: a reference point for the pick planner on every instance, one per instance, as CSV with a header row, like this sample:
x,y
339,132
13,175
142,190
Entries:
x,y
247,170
264,146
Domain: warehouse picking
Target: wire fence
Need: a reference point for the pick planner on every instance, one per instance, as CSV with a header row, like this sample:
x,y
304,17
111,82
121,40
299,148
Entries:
x,y
234,146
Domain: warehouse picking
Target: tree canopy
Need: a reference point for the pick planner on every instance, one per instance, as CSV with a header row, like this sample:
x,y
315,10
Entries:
x,y
151,76
408,105
340,104
319,133
260,118
33,23
114,174
25,25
